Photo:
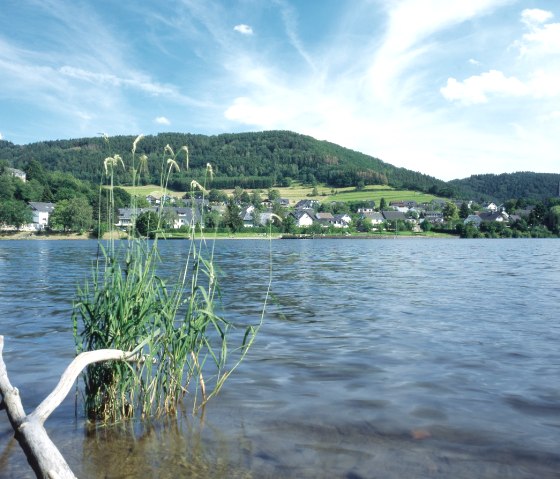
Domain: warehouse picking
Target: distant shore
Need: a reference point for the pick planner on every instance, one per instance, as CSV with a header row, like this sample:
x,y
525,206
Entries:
x,y
28,235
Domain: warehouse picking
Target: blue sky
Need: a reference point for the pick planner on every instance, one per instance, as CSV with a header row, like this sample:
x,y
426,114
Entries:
x,y
445,87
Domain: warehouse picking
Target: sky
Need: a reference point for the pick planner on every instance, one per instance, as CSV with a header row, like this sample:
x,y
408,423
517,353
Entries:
x,y
450,88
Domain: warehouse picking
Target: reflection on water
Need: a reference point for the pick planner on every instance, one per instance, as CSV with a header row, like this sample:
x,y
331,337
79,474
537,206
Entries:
x,y
377,359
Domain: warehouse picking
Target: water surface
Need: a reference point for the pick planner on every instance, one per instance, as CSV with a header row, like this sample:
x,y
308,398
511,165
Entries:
x,y
385,358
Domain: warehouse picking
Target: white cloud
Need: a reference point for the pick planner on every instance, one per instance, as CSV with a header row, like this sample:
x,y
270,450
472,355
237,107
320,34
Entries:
x,y
551,116
476,89
542,38
1,137
479,88
532,16
162,120
370,104
243,29
409,30
545,84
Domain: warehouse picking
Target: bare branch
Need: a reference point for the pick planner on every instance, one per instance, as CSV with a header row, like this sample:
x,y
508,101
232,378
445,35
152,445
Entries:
x,y
42,455
53,400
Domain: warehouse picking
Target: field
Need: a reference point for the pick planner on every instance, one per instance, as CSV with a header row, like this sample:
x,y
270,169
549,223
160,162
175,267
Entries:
x,y
151,190
299,192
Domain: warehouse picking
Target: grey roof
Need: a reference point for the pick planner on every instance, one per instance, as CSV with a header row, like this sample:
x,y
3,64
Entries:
x,y
393,215
42,207
127,213
373,216
15,172
306,204
491,216
247,213
302,212
342,218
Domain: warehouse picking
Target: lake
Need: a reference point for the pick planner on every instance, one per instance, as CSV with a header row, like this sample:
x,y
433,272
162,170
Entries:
x,y
377,358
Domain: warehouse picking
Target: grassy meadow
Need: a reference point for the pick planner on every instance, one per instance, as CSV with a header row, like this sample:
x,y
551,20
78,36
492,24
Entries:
x,y
298,192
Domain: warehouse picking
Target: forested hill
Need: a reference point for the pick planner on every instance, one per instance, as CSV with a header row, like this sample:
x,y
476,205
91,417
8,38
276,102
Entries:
x,y
249,160
506,186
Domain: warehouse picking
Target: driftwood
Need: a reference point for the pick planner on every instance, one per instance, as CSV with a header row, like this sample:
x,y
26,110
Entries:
x,y
41,453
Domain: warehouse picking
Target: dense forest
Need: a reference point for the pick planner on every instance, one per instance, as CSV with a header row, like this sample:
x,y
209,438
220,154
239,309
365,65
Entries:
x,y
500,188
247,160
265,159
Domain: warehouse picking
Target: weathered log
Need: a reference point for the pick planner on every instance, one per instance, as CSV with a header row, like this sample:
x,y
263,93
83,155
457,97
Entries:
x,y
42,455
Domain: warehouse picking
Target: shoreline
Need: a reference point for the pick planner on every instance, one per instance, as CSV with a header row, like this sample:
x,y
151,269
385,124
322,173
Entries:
x,y
26,235
30,236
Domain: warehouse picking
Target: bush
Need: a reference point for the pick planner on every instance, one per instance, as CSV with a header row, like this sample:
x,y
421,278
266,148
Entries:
x,y
173,328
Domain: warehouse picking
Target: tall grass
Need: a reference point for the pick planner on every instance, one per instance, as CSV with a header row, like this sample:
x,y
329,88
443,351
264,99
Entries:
x,y
173,325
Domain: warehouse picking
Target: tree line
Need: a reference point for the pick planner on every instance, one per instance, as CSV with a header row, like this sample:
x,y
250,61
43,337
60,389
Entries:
x,y
526,184
80,203
248,160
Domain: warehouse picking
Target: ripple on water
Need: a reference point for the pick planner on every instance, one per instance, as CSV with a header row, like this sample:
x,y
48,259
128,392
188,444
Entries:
x,y
423,359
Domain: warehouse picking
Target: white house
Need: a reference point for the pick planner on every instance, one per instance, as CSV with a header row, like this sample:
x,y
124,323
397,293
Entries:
x,y
17,173
41,213
342,221
247,215
186,216
492,207
181,216
304,217
374,217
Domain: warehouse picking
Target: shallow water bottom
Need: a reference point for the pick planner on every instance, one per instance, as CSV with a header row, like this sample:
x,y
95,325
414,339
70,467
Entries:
x,y
199,448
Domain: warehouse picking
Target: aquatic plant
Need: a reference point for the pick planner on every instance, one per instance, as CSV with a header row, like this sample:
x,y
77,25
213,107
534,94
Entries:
x,y
173,326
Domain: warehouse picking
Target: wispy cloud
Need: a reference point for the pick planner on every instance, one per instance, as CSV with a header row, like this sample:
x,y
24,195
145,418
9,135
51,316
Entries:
x,y
289,17
385,78
139,82
367,104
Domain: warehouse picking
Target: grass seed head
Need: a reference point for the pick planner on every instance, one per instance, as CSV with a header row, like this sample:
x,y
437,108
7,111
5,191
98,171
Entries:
x,y
185,148
111,162
138,138
196,185
172,164
168,150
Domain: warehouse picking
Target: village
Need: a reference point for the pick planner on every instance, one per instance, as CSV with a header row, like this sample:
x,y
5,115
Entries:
x,y
243,210
305,214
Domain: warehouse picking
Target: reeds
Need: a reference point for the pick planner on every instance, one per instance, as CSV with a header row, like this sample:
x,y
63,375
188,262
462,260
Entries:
x,y
173,325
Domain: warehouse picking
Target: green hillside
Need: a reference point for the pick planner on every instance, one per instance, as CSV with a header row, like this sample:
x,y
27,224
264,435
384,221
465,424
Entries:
x,y
538,186
265,159
248,160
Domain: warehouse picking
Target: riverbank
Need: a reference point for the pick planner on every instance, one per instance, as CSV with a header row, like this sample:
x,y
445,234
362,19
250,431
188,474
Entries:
x,y
28,235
